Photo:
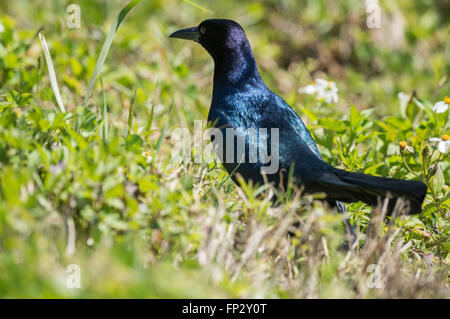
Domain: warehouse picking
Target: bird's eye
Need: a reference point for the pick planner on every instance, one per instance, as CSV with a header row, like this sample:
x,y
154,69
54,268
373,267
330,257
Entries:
x,y
202,30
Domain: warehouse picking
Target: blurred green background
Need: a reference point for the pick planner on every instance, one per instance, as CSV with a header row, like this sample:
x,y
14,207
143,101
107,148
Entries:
x,y
294,42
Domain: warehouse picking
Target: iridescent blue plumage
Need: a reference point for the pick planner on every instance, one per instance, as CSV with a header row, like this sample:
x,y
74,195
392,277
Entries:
x,y
243,102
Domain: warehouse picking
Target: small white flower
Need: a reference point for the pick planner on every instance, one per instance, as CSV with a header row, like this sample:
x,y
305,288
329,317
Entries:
x,y
324,90
148,157
405,147
2,28
443,143
327,90
442,106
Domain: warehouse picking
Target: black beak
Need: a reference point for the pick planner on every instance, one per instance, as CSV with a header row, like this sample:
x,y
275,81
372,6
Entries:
x,y
187,34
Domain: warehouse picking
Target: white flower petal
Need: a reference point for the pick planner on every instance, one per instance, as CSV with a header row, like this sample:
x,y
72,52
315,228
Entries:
x,y
443,146
403,96
440,107
336,98
435,139
328,96
140,130
321,83
404,99
2,28
410,149
309,89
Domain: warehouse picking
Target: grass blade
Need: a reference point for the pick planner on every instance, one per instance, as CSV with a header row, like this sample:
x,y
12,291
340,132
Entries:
x,y
51,72
130,112
104,114
106,47
198,6
148,129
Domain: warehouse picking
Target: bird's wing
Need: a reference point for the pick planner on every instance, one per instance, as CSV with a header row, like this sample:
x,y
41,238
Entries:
x,y
288,116
265,110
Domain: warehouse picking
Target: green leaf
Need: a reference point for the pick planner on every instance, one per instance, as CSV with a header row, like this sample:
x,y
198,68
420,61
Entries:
x,y
438,179
411,111
355,117
134,142
19,99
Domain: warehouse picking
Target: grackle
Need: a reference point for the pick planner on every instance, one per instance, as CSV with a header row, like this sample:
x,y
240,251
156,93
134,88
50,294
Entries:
x,y
242,101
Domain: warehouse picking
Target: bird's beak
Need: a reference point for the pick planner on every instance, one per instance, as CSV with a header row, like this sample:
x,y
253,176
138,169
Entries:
x,y
187,34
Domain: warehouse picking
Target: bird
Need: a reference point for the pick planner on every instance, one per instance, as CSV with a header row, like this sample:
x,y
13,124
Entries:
x,y
242,103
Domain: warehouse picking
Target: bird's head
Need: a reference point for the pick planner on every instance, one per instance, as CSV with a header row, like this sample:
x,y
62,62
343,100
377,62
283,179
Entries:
x,y
219,37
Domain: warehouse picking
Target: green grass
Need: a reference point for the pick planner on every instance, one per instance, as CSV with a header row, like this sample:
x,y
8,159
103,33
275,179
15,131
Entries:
x,y
87,178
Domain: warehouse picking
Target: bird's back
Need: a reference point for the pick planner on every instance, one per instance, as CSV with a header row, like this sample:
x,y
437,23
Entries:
x,y
260,109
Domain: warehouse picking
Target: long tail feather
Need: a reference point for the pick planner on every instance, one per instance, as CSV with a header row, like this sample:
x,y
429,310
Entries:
x,y
351,187
412,191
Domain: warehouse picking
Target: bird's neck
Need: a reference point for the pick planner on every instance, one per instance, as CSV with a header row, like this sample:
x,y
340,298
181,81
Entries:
x,y
235,71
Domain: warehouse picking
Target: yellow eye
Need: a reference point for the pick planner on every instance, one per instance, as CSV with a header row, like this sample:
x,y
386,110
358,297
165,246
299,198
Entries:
x,y
202,30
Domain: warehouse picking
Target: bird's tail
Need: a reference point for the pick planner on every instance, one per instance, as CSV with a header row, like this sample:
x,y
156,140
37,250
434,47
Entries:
x,y
350,187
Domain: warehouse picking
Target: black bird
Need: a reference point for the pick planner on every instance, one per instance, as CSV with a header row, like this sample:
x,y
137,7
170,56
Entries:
x,y
241,101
